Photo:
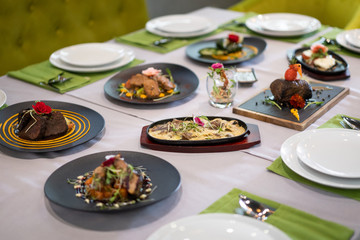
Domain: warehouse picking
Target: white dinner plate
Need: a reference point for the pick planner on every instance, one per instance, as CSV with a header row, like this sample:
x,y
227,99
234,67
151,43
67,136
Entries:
x,y
340,39
2,98
57,62
282,24
218,226
181,23
180,27
290,158
332,151
91,54
353,37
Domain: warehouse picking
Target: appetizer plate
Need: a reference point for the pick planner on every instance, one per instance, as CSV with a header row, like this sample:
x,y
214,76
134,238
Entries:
x,y
218,226
55,59
283,24
164,177
340,67
3,98
88,124
332,151
253,46
291,159
198,142
353,37
91,54
186,81
340,38
180,26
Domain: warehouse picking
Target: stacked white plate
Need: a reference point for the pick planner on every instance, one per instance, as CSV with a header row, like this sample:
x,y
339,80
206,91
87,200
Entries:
x,y
218,226
328,156
283,24
2,98
91,57
350,39
180,26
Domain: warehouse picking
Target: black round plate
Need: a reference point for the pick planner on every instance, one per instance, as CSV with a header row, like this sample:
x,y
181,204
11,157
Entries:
x,y
88,124
192,51
163,175
186,81
198,142
340,67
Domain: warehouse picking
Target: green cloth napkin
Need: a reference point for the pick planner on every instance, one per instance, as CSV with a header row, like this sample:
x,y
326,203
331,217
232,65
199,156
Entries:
x,y
40,73
338,49
233,25
145,39
3,106
279,167
295,223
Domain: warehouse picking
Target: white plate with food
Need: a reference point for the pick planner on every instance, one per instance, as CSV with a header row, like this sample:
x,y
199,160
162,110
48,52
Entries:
x,y
290,158
353,37
283,24
217,226
332,151
55,60
341,39
3,98
180,26
91,54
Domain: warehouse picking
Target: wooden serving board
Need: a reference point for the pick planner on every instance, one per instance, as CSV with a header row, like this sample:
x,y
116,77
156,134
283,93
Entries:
x,y
250,140
258,109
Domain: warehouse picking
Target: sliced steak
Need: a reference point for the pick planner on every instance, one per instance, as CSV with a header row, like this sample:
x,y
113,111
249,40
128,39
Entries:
x,y
55,125
34,129
164,82
151,88
136,81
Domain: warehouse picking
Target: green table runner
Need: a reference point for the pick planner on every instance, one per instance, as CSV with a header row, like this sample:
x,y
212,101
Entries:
x,y
279,167
145,39
295,223
241,28
335,48
42,72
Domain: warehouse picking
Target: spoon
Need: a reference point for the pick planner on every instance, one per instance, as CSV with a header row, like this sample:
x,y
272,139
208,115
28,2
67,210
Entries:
x,y
352,123
59,79
254,208
161,41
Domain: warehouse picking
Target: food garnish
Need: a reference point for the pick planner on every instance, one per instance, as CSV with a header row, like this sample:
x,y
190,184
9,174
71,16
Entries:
x,y
317,56
149,84
113,184
221,93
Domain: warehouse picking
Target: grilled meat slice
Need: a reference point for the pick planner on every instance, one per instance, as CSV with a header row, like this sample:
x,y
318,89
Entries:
x,y
34,128
283,90
55,125
151,88
164,82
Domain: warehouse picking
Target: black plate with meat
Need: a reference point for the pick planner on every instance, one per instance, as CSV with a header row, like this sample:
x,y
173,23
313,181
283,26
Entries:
x,y
192,51
340,67
186,82
87,125
198,142
164,177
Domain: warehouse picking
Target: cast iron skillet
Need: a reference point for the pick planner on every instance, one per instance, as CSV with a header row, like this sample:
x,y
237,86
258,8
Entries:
x,y
198,142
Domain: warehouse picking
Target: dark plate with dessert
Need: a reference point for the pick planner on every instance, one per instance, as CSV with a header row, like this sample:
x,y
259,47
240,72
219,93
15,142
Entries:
x,y
185,80
165,180
251,48
335,65
215,130
23,129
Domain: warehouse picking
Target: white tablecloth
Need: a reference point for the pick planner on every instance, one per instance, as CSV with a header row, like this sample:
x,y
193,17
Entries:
x,y
27,214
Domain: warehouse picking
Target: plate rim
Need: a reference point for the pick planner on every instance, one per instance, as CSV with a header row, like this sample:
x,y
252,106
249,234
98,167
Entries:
x,y
182,16
108,89
240,219
96,117
94,160
3,97
292,161
340,38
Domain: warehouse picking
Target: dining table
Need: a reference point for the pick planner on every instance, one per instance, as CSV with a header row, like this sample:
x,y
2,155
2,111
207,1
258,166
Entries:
x,y
26,212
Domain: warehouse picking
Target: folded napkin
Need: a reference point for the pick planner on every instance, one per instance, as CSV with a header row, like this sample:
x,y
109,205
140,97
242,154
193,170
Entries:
x,y
279,167
40,73
3,106
295,223
234,25
338,49
145,39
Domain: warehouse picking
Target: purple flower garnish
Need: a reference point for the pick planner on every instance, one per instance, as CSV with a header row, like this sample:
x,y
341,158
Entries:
x,y
217,65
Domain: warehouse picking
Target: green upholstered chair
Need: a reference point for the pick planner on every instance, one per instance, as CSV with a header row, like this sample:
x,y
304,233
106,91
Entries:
x,y
30,30
337,13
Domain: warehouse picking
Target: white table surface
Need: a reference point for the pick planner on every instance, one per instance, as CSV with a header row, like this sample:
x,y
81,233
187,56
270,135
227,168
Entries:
x,y
27,214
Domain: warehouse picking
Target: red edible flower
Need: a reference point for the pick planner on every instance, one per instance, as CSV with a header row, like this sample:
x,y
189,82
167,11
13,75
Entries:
x,y
42,108
108,162
217,65
233,38
297,101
